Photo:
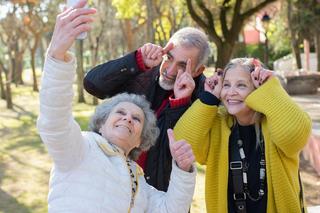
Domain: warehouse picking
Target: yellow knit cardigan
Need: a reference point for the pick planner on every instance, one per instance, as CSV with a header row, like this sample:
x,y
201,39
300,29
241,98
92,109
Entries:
x,y
285,129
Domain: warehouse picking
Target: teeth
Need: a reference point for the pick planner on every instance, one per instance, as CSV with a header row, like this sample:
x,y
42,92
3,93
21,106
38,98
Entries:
x,y
124,126
234,101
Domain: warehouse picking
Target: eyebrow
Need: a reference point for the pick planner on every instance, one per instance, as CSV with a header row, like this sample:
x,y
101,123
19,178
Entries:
x,y
135,114
181,63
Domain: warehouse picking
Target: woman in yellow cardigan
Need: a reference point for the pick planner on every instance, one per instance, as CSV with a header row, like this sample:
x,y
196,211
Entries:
x,y
251,144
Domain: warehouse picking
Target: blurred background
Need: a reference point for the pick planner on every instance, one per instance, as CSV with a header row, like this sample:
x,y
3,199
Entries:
x,y
284,34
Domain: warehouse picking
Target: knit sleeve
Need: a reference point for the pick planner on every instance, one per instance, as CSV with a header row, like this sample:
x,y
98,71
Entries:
x,y
56,125
195,126
288,124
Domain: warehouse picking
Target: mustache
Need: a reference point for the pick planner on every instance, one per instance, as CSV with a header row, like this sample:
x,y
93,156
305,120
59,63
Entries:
x,y
165,74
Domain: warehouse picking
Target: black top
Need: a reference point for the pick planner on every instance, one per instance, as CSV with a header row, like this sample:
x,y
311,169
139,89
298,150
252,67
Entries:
x,y
253,156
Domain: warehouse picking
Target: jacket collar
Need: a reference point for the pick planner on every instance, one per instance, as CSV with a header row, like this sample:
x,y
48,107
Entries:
x,y
108,148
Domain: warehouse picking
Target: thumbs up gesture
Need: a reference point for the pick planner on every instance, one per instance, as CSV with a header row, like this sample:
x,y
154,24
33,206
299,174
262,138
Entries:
x,y
181,152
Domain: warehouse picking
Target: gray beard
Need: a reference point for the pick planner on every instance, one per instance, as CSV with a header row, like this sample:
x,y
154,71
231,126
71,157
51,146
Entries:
x,y
165,84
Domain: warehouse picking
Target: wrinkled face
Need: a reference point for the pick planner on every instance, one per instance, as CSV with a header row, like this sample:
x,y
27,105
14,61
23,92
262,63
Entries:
x,y
124,126
236,86
175,60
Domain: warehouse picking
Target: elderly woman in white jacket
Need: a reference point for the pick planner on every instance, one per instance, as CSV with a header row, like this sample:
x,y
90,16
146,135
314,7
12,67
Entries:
x,y
94,171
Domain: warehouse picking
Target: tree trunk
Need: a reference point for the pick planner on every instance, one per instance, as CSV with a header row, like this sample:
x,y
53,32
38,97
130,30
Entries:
x,y
37,39
17,69
33,66
224,53
128,34
94,59
317,44
8,88
294,39
306,48
296,52
2,90
80,71
150,18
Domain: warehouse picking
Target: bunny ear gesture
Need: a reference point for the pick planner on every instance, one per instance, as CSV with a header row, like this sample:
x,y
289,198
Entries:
x,y
184,84
213,84
181,152
260,75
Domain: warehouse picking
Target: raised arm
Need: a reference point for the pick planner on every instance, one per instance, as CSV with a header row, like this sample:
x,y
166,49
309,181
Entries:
x,y
56,125
289,126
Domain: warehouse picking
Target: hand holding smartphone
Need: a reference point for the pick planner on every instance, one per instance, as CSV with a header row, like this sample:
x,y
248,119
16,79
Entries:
x,y
71,3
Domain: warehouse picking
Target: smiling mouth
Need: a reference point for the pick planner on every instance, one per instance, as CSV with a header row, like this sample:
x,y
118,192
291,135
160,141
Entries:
x,y
124,127
167,77
234,102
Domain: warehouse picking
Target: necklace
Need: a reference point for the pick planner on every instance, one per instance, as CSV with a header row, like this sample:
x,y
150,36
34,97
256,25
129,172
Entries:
x,y
262,165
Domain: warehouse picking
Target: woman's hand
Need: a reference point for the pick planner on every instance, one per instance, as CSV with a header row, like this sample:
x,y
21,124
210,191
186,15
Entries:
x,y
213,84
69,24
181,152
260,75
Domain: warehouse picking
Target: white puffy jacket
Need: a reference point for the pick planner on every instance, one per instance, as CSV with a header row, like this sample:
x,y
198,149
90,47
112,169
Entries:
x,y
84,178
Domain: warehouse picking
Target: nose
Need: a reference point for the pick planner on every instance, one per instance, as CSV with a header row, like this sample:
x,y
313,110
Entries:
x,y
232,91
170,68
127,118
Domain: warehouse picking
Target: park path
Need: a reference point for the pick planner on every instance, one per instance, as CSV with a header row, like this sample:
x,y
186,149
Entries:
x,y
310,178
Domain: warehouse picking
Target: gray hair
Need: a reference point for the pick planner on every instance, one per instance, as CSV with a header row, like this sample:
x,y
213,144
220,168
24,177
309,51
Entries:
x,y
150,131
191,37
247,64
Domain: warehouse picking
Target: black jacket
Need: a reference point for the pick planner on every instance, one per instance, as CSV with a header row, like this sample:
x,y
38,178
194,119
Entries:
x,y
123,75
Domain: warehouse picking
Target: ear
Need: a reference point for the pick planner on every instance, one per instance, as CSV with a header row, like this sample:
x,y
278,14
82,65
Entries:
x,y
199,71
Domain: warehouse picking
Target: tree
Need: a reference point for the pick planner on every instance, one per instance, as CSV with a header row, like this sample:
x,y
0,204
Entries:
x,y
36,26
224,28
14,36
295,39
305,21
132,19
80,71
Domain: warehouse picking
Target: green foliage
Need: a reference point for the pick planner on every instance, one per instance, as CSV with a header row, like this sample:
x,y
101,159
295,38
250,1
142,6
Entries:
x,y
306,17
249,50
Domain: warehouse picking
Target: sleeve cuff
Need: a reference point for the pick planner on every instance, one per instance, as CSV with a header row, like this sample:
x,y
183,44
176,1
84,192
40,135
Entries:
x,y
174,103
208,98
139,60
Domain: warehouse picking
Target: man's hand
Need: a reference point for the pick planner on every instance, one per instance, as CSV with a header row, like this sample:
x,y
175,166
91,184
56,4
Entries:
x,y
69,24
213,84
152,54
184,84
181,152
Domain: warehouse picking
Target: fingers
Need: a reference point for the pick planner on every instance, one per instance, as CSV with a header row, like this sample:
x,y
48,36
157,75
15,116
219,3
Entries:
x,y
81,20
178,78
256,62
80,4
170,136
260,76
213,84
167,48
188,67
74,13
182,153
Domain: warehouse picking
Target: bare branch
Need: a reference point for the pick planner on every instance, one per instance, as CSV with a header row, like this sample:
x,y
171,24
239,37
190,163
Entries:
x,y
207,27
252,11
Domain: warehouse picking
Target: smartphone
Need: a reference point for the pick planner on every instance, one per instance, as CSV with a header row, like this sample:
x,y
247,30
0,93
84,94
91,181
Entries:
x,y
71,3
